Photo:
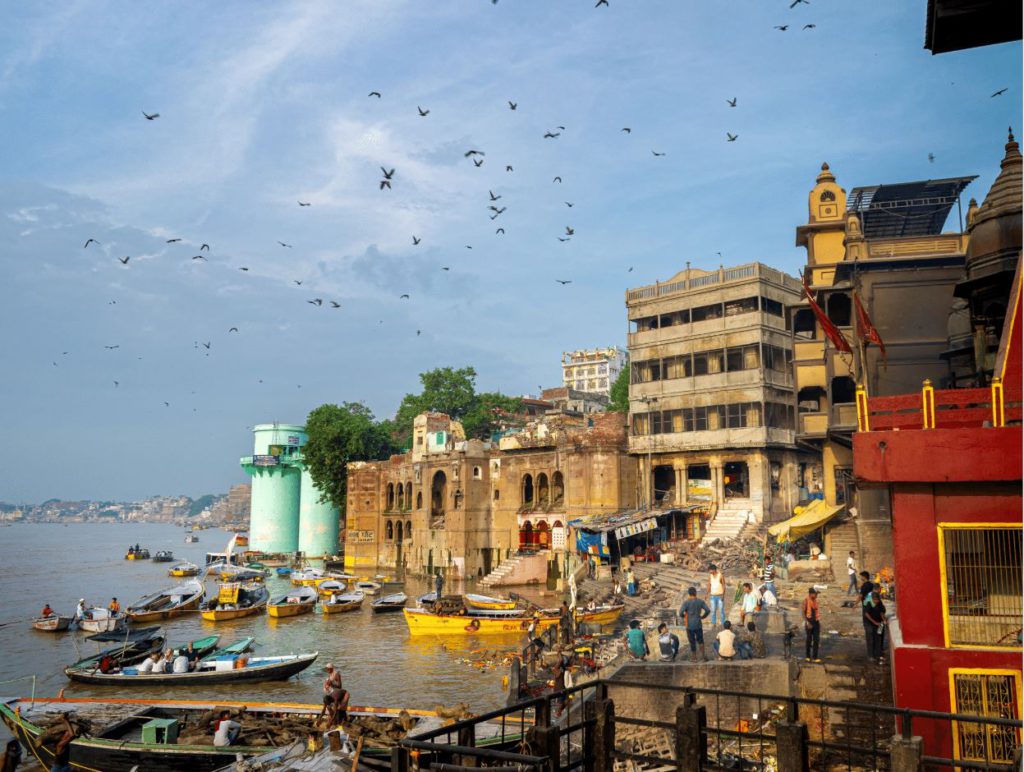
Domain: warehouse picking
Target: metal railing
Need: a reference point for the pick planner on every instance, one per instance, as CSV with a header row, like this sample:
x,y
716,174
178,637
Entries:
x,y
594,726
939,408
720,276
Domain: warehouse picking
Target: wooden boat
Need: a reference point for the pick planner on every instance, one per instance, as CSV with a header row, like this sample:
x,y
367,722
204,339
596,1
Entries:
x,y
234,601
102,620
54,623
191,538
487,602
423,622
600,615
167,603
298,601
142,554
132,646
116,745
367,587
427,599
394,602
283,571
230,668
339,604
241,574
240,646
184,569
329,587
163,556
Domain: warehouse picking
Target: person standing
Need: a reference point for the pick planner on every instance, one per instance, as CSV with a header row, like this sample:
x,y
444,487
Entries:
x,y
851,572
630,582
866,588
748,603
80,610
668,644
114,608
438,584
694,611
716,594
636,641
874,627
812,625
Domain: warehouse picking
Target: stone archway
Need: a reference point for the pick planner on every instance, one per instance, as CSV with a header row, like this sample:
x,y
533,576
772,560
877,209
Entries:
x,y
438,499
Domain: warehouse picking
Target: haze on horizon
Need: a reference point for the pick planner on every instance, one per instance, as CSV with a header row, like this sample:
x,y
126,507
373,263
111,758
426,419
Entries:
x,y
264,105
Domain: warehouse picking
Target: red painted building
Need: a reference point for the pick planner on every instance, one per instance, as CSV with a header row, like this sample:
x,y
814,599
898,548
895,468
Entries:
x,y
952,462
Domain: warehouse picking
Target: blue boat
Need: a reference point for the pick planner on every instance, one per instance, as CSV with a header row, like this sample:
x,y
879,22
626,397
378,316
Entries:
x,y
284,571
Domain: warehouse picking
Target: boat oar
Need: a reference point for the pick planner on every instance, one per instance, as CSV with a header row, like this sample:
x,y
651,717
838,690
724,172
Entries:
x,y
355,756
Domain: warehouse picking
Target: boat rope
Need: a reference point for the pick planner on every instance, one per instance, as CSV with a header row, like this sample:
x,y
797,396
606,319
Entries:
x,y
23,678
17,621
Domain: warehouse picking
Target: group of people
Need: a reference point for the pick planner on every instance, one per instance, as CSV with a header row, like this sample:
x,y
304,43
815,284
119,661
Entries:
x,y
171,661
83,611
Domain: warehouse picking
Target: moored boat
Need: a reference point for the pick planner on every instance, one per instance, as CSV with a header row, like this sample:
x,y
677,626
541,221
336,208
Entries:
x,y
220,669
424,622
600,615
394,602
241,574
117,742
132,646
54,623
167,603
102,620
235,600
163,556
339,604
191,538
184,569
299,600
140,554
238,647
487,602
368,587
329,587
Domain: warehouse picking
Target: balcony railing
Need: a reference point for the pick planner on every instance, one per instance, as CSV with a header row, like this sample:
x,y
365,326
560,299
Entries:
x,y
721,276
940,409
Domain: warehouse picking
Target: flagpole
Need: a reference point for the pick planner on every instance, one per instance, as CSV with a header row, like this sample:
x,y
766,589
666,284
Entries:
x,y
860,371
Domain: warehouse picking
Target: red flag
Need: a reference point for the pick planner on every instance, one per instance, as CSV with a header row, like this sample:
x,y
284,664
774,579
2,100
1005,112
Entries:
x,y
865,329
831,331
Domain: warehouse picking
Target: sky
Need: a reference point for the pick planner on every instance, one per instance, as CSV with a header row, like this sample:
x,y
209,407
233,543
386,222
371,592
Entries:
x,y
124,380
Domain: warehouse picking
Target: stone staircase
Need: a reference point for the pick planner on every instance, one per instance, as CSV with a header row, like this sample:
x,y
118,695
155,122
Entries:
x,y
842,537
498,574
730,519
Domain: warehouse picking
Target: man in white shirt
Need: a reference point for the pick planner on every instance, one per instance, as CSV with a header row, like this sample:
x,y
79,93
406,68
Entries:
x,y
148,665
716,594
851,570
725,645
227,731
180,664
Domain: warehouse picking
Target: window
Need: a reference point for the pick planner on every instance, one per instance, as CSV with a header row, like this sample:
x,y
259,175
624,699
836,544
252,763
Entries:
x,y
742,358
772,307
778,359
477,474
677,367
707,363
389,533
744,306
994,694
828,195
703,313
497,494
981,568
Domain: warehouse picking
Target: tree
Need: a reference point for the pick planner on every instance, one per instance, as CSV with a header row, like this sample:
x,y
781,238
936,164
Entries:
x,y
201,503
485,416
337,435
619,396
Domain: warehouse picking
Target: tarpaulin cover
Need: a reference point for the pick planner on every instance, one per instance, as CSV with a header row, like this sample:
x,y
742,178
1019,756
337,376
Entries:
x,y
592,543
808,519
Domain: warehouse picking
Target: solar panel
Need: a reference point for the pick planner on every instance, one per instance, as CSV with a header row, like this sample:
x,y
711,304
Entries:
x,y
906,208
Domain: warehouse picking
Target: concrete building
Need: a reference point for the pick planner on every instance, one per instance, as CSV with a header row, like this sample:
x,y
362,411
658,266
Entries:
x,y
711,391
593,370
885,243
467,506
571,400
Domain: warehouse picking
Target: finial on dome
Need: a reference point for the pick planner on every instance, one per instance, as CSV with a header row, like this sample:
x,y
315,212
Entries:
x,y
824,166
1009,137
825,175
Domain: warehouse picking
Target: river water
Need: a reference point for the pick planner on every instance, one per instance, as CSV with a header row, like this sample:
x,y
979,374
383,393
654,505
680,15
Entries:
x,y
380,663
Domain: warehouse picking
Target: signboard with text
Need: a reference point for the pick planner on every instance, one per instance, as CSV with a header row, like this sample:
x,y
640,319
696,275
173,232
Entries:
x,y
360,537
634,528
265,460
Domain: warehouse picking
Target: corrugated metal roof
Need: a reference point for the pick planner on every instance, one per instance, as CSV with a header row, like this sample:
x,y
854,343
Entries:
x,y
906,208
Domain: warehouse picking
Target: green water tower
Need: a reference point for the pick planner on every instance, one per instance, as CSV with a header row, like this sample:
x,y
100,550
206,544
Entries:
x,y
318,521
276,470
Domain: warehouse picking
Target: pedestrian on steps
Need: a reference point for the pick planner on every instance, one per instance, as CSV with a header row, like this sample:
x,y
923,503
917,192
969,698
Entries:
x,y
716,594
630,582
851,573
812,625
693,612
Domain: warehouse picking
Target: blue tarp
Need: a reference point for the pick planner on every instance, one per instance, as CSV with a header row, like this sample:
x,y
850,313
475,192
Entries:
x,y
592,543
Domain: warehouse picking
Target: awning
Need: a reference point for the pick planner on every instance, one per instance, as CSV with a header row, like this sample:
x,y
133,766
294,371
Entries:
x,y
815,515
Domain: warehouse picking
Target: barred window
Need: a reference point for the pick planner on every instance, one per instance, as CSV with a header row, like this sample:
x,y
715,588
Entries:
x,y
986,694
983,585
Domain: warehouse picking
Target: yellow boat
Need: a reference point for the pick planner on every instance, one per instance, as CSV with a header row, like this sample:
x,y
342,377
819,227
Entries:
x,y
184,569
423,622
488,603
601,615
235,601
352,601
299,601
168,603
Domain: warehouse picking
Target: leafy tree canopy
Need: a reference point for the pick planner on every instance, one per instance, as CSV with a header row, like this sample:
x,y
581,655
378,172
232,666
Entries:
x,y
198,505
619,396
337,435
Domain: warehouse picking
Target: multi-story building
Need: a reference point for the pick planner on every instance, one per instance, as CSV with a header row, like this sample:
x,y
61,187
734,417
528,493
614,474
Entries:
x,y
464,506
570,400
711,396
593,370
886,245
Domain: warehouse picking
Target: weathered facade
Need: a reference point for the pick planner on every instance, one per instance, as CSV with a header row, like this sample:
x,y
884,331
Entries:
x,y
464,506
593,370
711,389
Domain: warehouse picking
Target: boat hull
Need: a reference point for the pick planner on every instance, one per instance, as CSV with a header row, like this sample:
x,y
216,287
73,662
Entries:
x,y
53,624
275,672
425,623
341,608
223,615
153,616
488,604
285,610
102,625
605,616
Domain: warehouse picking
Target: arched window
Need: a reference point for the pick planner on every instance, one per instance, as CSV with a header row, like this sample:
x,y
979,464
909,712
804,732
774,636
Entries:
x,y
408,530
389,531
542,490
390,497
527,490
557,490
408,495
477,473
401,496
828,195
543,535
419,499
438,499
398,531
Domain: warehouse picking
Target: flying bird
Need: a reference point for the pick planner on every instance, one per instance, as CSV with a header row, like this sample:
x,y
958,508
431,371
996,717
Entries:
x,y
557,179
305,203
416,241
124,260
116,384
732,102
207,345
417,332
374,93
468,246
550,135
565,239
243,268
657,154
626,129
630,269
602,2
782,28
570,231
731,137
90,241
387,174
150,116
297,282
423,113
810,26
167,404
288,246
316,302
568,204
999,92
493,197
173,241
508,168
468,153
795,3
400,297
495,209
385,184
233,329
111,348
204,246
198,257
931,158
512,105
335,304
478,162
445,268
501,231
563,282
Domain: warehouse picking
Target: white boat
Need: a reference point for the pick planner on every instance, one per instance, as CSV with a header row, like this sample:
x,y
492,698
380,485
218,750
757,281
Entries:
x,y
101,620
394,602
329,587
370,588
427,599
191,539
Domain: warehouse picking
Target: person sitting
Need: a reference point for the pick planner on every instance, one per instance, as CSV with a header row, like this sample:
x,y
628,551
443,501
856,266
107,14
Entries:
x,y
180,663
749,603
106,663
636,641
46,612
192,655
668,644
725,643
750,644
226,731
149,664
165,663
